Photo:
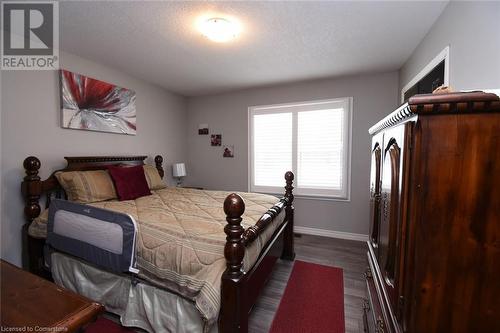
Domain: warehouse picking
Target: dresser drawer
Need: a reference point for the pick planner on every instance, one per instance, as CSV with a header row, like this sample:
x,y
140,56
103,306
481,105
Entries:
x,y
374,320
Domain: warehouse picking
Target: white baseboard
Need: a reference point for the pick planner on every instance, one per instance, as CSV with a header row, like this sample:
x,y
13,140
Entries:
x,y
330,233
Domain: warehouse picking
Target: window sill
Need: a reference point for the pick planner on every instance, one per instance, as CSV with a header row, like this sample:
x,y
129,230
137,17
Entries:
x,y
321,198
310,197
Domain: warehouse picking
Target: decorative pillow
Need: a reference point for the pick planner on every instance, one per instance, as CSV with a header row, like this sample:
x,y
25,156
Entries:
x,y
153,178
87,186
130,182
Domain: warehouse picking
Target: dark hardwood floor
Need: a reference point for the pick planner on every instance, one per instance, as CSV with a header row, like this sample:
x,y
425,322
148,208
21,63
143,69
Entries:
x,y
345,254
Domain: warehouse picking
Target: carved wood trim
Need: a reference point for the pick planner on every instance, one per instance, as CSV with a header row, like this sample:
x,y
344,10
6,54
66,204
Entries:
x,y
467,102
477,98
254,231
234,250
366,305
401,114
102,159
368,273
375,194
289,177
31,188
394,152
380,328
461,107
289,248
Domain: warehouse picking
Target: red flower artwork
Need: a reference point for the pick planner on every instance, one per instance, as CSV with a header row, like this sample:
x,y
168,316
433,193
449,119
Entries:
x,y
95,105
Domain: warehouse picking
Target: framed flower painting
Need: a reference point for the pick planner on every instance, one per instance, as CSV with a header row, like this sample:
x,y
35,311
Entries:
x,y
93,105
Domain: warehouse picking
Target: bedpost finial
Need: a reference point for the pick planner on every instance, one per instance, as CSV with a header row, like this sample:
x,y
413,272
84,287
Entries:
x,y
31,164
234,250
288,249
159,167
31,187
234,206
289,177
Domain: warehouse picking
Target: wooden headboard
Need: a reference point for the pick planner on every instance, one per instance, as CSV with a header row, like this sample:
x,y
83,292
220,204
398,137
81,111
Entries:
x,y
33,188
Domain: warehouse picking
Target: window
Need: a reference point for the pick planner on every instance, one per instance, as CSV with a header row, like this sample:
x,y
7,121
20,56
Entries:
x,y
312,139
426,85
434,74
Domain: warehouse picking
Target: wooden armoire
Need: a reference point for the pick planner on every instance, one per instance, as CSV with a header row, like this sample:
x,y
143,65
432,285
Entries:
x,y
434,243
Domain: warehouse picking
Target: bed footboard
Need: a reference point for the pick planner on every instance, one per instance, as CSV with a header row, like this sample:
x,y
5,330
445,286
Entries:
x,y
239,290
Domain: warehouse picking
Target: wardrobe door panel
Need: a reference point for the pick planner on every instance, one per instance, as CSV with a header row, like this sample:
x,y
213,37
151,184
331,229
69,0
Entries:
x,y
391,251
375,182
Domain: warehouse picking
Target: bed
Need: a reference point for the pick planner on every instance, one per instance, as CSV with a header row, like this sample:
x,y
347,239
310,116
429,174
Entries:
x,y
243,245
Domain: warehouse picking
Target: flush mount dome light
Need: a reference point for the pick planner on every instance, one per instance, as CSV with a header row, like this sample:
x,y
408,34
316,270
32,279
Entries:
x,y
219,29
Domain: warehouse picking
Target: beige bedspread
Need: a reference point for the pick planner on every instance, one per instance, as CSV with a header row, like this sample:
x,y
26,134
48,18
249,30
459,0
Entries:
x,y
181,239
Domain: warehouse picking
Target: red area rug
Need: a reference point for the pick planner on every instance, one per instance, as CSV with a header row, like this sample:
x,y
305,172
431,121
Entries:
x,y
313,301
103,325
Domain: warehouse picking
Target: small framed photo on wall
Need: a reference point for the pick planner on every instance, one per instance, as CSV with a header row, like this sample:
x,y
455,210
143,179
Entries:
x,y
216,139
228,151
203,129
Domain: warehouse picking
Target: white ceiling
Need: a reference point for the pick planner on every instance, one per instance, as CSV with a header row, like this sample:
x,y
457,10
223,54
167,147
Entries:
x,y
280,41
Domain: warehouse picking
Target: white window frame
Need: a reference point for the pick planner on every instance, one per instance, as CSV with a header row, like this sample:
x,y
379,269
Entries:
x,y
443,55
307,193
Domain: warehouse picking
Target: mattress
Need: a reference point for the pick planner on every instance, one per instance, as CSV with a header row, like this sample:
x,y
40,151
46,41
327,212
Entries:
x,y
180,241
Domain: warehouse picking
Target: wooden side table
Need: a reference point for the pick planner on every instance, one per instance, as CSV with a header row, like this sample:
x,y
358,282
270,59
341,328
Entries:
x,y
32,304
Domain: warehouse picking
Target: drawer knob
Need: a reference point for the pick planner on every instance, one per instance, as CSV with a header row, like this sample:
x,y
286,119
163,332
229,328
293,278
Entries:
x,y
368,273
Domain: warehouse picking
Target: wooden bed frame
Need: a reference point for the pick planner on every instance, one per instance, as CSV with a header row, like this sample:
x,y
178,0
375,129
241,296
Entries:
x,y
239,290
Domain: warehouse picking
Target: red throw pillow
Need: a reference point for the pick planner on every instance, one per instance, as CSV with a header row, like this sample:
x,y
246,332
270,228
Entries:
x,y
130,182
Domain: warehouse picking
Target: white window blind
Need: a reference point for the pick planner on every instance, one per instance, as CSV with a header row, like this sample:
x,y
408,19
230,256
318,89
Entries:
x,y
311,139
273,148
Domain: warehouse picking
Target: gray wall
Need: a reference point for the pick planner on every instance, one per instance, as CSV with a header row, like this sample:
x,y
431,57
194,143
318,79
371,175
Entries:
x,y
31,126
472,29
374,96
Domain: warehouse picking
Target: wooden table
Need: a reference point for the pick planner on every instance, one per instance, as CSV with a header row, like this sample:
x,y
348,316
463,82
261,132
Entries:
x,y
32,304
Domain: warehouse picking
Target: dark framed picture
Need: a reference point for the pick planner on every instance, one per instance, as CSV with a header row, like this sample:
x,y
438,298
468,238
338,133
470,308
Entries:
x,y
228,151
216,139
203,129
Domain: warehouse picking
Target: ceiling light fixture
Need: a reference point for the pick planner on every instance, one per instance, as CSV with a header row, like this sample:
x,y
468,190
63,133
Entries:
x,y
219,29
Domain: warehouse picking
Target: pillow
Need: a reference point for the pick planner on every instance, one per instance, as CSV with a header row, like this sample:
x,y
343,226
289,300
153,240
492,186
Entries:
x,y
87,186
130,182
38,228
153,178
